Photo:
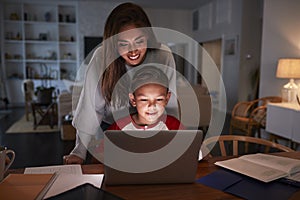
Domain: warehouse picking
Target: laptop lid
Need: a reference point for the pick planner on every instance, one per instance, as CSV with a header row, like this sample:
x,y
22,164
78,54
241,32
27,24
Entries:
x,y
151,157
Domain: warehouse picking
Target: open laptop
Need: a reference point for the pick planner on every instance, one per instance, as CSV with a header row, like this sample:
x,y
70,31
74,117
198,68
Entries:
x,y
151,157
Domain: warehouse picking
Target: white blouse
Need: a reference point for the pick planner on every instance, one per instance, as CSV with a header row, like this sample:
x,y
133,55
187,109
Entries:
x,y
91,109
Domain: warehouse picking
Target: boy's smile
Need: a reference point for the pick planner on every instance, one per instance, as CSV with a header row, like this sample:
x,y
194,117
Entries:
x,y
150,101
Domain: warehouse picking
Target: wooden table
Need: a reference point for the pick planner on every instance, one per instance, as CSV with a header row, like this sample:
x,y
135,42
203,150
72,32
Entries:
x,y
166,191
173,191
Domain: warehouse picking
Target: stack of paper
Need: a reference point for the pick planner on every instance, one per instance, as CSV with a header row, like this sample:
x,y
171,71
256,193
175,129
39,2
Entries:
x,y
69,177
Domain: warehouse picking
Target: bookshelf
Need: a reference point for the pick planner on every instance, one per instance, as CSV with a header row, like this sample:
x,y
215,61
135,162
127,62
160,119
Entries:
x,y
39,42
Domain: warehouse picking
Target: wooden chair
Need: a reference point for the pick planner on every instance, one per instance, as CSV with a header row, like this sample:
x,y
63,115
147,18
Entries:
x,y
44,109
28,88
231,145
250,116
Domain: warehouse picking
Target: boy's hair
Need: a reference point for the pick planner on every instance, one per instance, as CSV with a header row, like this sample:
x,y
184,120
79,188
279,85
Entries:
x,y
147,75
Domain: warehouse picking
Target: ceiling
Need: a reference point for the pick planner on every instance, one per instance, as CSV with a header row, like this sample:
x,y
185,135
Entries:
x,y
165,4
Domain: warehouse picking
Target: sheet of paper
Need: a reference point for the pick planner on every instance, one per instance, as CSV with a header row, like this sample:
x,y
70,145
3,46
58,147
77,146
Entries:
x,y
59,169
295,177
288,165
251,169
65,182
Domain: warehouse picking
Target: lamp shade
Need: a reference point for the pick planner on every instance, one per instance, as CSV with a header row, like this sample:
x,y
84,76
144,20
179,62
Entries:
x,y
288,68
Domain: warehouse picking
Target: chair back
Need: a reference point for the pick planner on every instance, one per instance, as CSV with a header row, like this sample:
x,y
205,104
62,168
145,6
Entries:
x,y
44,95
232,145
248,116
28,89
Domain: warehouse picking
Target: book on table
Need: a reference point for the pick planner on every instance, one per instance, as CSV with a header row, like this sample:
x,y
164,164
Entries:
x,y
26,186
263,167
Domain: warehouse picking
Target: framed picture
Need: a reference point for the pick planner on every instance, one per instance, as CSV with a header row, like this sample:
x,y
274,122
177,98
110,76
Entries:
x,y
230,46
195,20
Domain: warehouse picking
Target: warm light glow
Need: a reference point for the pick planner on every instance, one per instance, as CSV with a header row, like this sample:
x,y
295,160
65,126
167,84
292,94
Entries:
x,y
288,68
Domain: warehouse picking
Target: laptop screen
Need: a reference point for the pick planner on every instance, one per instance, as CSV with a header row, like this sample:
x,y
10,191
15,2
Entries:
x,y
151,157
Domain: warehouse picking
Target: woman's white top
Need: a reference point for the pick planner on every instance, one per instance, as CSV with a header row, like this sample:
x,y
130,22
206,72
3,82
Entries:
x,y
91,109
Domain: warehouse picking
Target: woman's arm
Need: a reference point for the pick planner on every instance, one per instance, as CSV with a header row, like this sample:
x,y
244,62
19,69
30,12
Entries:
x,y
89,110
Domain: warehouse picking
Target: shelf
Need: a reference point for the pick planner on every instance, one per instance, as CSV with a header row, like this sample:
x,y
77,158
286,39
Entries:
x,y
13,21
14,41
47,79
67,24
41,42
67,43
14,60
40,61
39,39
40,23
67,61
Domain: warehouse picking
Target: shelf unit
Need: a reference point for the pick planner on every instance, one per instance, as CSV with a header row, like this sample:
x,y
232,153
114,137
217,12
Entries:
x,y
39,42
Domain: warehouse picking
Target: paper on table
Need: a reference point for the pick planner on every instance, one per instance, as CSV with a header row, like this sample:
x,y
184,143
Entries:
x,y
59,169
70,176
65,182
294,177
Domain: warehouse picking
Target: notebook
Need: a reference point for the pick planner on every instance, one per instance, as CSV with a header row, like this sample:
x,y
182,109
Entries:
x,y
151,157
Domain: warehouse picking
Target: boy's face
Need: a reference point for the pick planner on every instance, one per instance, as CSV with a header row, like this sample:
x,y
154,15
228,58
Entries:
x,y
150,101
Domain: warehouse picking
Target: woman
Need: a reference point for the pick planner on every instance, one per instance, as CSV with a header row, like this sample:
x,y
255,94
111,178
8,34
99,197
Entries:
x,y
128,42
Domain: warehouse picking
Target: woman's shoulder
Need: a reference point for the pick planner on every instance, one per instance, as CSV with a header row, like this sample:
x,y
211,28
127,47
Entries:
x,y
165,48
162,55
98,50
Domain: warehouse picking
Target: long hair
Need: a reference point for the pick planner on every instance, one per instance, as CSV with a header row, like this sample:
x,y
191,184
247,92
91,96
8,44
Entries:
x,y
123,15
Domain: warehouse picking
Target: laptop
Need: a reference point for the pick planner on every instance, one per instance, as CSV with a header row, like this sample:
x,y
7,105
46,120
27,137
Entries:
x,y
151,157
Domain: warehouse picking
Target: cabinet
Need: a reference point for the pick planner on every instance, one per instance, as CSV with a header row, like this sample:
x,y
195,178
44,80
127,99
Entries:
x,y
39,42
283,120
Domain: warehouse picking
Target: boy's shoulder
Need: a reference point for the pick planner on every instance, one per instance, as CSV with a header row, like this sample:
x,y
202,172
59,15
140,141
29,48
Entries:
x,y
173,123
121,123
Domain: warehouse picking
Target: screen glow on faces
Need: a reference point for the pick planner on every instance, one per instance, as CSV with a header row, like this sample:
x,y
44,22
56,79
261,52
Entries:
x,y
132,45
150,101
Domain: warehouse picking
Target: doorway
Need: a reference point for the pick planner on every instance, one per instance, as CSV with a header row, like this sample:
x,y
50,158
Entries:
x,y
214,49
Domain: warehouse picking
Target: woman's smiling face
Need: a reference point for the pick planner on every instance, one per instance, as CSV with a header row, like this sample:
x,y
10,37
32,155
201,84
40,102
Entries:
x,y
132,45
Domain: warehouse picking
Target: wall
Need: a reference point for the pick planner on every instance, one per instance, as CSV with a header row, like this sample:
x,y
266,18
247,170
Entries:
x,y
281,38
221,19
179,20
92,16
239,20
250,49
2,85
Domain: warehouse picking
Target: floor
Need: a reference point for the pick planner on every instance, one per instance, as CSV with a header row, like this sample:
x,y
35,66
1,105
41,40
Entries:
x,y
32,149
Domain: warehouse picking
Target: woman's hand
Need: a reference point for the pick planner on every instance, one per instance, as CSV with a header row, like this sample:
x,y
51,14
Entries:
x,y
72,159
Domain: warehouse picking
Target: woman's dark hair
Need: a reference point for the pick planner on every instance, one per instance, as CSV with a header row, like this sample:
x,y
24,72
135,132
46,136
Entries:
x,y
123,15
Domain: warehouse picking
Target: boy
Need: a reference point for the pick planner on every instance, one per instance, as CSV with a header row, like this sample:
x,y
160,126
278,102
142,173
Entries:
x,y
149,95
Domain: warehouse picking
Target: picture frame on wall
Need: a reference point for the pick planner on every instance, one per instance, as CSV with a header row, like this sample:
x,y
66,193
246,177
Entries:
x,y
230,46
195,20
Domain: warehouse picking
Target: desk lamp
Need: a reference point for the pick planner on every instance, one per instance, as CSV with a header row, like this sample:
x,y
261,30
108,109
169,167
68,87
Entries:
x,y
289,68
